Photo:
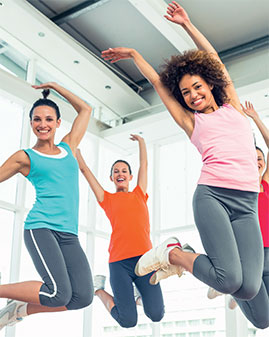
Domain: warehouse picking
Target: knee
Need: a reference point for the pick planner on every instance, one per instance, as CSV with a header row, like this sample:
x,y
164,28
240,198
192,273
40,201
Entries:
x,y
230,283
59,297
81,300
263,323
247,291
156,316
128,323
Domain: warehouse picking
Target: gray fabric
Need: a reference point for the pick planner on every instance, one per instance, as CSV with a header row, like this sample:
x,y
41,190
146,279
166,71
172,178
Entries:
x,y
63,267
122,276
257,309
228,225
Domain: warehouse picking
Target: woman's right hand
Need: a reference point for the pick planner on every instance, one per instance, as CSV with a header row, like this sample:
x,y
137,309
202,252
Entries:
x,y
116,54
176,14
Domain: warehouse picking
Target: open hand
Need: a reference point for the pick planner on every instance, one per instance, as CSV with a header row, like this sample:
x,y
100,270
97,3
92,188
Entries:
x,y
136,138
116,54
249,110
176,13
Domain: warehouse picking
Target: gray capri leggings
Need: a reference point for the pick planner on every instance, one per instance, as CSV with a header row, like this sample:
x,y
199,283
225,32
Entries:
x,y
63,267
228,225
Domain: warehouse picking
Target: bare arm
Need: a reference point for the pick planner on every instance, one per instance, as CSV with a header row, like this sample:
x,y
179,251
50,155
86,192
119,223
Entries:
x,y
251,112
182,117
142,179
17,163
80,123
94,184
177,14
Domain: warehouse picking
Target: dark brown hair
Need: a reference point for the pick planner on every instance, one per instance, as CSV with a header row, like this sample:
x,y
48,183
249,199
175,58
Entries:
x,y
194,62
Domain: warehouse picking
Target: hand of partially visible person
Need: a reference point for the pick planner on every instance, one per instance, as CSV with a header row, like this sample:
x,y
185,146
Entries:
x,y
176,14
249,110
136,138
116,54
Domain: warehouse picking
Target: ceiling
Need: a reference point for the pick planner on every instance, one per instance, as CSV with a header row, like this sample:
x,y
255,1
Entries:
x,y
100,24
82,29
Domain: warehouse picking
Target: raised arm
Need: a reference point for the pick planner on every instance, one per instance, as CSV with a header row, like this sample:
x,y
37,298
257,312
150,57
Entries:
x,y
94,184
251,112
177,15
142,179
80,123
182,117
17,163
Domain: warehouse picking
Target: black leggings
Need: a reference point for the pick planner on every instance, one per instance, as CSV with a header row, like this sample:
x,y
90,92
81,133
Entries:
x,y
63,267
122,277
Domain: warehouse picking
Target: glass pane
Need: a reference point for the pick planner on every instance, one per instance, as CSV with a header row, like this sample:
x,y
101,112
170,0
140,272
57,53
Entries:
x,y
6,230
173,185
10,134
12,60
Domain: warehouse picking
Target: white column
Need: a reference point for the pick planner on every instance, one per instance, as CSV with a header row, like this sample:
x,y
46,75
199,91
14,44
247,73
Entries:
x,y
90,248
156,213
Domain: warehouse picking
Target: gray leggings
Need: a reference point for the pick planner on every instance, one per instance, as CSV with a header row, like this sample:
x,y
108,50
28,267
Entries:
x,y
63,267
256,313
228,225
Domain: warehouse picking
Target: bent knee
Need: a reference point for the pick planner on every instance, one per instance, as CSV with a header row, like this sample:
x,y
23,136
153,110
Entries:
x,y
130,323
230,284
262,323
247,292
156,316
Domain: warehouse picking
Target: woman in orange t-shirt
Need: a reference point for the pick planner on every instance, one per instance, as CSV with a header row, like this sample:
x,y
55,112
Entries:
x,y
130,238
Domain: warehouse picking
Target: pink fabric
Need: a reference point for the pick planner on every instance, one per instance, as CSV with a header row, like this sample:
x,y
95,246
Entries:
x,y
263,212
225,140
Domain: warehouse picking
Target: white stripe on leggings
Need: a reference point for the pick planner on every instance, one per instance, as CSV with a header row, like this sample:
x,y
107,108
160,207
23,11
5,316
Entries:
x,y
46,267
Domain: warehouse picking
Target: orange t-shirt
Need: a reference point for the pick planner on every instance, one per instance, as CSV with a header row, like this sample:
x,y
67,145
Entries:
x,y
129,218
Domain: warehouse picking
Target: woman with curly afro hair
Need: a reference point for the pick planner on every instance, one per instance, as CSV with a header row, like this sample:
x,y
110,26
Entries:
x,y
199,94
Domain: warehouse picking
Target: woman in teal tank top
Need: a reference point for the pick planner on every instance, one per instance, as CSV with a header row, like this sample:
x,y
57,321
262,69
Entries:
x,y
51,227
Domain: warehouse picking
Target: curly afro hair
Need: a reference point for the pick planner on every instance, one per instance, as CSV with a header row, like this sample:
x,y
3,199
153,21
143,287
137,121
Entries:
x,y
194,62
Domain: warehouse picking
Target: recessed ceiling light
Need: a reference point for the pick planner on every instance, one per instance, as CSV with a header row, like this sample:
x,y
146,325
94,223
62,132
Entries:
x,y
41,34
108,87
76,61
266,95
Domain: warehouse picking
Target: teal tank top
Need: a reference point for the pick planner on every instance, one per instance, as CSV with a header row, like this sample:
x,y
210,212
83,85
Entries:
x,y
57,194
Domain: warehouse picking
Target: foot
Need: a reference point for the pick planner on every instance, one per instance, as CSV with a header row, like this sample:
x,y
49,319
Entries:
x,y
9,314
232,303
156,258
171,270
212,293
99,282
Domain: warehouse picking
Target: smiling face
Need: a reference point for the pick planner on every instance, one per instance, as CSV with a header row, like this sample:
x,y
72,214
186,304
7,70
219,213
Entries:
x,y
260,161
121,177
197,93
44,122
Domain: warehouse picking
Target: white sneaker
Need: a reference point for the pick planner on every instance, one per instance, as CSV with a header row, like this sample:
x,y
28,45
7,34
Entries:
x,y
212,293
232,303
162,274
156,258
171,270
99,282
9,314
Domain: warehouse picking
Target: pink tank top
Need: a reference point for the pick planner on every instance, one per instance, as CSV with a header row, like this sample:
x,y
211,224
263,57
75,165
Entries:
x,y
225,140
